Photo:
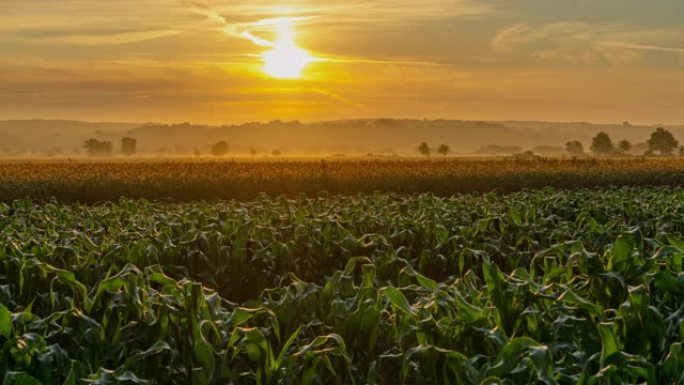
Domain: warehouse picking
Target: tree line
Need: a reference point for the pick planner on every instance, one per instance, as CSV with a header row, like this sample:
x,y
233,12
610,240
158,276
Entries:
x,y
129,146
661,142
442,149
103,148
94,147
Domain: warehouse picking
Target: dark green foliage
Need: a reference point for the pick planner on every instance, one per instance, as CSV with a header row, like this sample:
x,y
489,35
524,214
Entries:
x,y
662,141
424,149
95,147
551,287
574,148
128,146
443,149
624,146
219,148
601,144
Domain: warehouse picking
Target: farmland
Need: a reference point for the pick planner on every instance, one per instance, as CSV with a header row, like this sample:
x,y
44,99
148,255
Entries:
x,y
90,181
581,286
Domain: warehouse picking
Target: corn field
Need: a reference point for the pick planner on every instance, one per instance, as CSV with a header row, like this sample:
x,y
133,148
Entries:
x,y
549,286
188,180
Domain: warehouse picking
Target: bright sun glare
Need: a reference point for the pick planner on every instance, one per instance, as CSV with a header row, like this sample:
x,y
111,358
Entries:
x,y
285,60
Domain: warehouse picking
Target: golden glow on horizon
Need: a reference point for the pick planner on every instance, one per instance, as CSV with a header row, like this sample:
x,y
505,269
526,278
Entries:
x,y
286,60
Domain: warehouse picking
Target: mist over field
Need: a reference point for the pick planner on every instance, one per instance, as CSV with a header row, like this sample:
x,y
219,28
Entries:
x,y
360,137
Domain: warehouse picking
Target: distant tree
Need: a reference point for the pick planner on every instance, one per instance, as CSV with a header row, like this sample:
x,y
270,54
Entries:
x,y
662,141
443,149
681,151
275,152
92,147
253,152
95,147
424,149
624,146
219,148
574,147
197,152
601,144
128,146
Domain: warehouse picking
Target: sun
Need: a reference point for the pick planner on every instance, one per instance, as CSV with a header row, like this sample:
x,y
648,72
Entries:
x,y
285,60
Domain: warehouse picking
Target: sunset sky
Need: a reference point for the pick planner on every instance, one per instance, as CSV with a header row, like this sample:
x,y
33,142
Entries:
x,y
203,61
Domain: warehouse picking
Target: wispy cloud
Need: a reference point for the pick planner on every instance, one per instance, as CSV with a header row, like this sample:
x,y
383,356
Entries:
x,y
243,30
260,14
113,38
232,29
641,47
504,36
400,62
339,98
581,42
